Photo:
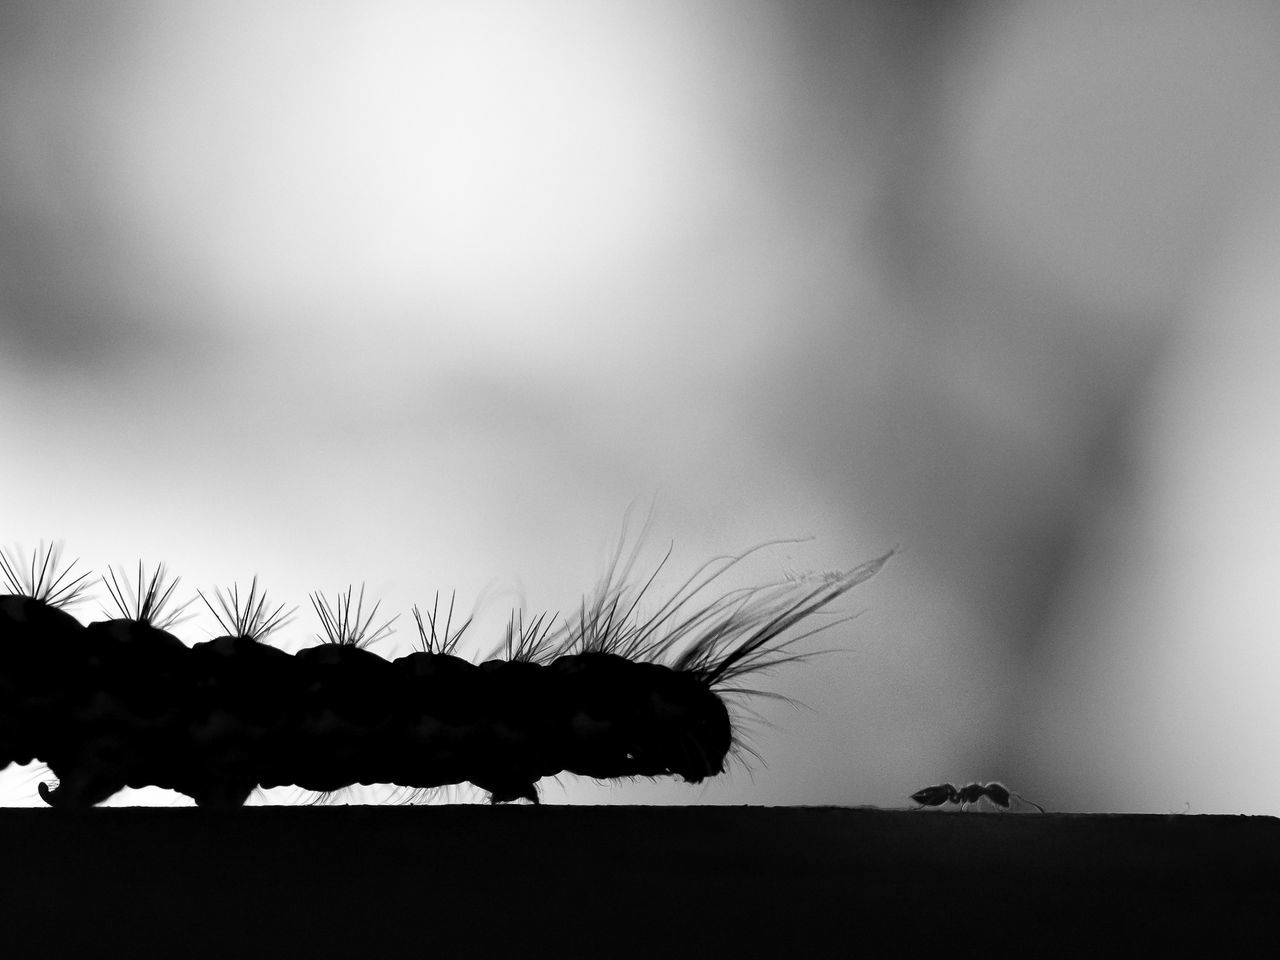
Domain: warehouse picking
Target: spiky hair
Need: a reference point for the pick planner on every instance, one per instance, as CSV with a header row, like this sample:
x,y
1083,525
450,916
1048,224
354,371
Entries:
x,y
251,618
145,601
44,578
718,639
433,642
348,629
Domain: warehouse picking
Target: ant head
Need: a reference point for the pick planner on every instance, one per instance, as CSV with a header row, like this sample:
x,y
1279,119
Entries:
x,y
998,794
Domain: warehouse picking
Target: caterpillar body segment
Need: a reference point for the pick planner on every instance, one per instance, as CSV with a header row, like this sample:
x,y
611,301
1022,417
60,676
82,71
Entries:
x,y
124,703
230,717
36,639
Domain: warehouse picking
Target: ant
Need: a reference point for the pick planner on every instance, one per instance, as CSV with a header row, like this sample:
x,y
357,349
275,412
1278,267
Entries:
x,y
997,793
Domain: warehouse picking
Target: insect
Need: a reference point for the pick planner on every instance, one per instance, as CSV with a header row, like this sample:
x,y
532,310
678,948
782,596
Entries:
x,y
943,793
606,693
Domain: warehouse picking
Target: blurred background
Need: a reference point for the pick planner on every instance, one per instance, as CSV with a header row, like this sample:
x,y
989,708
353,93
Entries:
x,y
428,294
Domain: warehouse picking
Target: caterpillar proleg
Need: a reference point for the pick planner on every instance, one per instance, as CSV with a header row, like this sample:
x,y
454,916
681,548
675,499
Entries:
x,y
606,693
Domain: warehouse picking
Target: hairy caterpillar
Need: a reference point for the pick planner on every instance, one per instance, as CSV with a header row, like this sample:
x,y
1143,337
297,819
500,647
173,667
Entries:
x,y
605,694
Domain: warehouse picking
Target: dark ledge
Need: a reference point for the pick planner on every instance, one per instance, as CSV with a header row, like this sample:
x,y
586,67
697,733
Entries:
x,y
373,882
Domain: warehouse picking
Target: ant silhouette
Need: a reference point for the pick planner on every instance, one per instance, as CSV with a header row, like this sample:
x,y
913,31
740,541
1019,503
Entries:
x,y
997,793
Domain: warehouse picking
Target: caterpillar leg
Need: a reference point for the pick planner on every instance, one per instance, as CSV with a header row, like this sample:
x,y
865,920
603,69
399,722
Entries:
x,y
80,789
509,791
90,772
220,795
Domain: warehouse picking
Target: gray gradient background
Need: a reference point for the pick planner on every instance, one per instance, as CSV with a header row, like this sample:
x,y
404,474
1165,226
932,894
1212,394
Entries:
x,y
428,294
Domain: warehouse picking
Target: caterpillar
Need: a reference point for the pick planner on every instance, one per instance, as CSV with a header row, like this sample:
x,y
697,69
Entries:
x,y
605,694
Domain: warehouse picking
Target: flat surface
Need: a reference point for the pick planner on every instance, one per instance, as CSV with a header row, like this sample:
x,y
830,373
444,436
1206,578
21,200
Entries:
x,y
627,881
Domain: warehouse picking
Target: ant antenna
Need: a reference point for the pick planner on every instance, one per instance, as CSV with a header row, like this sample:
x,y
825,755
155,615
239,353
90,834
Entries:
x,y
1025,800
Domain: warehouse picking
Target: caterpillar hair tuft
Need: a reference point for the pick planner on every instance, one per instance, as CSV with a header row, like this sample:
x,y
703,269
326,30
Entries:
x,y
252,618
44,579
145,602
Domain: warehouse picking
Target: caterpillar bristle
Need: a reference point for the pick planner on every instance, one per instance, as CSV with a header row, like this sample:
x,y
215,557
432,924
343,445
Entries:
x,y
251,619
527,643
146,602
344,629
721,655
44,579
732,692
447,642
328,798
720,641
746,720
738,752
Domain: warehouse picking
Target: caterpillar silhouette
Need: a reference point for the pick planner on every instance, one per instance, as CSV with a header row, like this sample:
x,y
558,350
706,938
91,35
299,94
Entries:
x,y
606,694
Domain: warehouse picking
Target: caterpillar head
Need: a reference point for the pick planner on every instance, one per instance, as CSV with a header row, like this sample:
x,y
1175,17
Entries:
x,y
683,728
639,720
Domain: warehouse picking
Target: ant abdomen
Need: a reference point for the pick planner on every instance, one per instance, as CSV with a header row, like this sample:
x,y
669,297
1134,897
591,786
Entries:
x,y
935,796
